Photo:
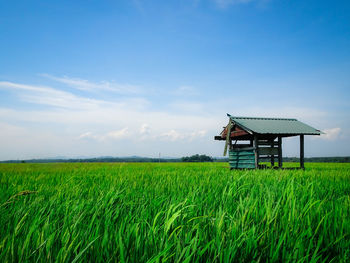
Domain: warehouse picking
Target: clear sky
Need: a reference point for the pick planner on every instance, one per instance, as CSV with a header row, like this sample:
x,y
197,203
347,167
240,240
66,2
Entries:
x,y
121,78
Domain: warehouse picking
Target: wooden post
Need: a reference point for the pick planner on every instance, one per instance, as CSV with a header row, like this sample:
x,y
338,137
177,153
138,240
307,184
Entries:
x,y
302,151
279,151
272,155
256,151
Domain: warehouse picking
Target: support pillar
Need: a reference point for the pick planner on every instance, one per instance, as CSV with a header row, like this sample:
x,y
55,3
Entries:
x,y
255,144
272,155
302,151
279,151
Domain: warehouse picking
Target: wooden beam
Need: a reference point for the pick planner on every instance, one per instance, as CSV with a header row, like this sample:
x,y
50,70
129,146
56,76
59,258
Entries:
x,y
242,146
268,143
255,145
272,156
302,151
279,151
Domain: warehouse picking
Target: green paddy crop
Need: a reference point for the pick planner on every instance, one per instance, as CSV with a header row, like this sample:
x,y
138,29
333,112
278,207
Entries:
x,y
84,212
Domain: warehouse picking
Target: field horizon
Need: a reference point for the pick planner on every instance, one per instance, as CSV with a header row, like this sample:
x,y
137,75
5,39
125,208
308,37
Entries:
x,y
136,159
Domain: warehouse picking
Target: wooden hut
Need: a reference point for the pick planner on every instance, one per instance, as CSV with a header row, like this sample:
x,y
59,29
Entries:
x,y
263,140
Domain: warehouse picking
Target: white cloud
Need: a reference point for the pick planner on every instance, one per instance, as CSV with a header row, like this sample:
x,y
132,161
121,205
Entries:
x,y
331,134
118,134
145,129
86,85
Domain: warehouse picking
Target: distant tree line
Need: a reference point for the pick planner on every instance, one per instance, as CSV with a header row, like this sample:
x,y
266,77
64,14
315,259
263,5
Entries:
x,y
197,158
193,158
345,159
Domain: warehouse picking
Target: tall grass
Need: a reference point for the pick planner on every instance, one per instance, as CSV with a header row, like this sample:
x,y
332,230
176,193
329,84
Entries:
x,y
173,213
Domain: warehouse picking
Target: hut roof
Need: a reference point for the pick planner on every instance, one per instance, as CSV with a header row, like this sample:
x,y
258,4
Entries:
x,y
274,126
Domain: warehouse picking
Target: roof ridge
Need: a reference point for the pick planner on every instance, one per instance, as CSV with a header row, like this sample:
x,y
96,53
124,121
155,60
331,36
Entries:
x,y
264,118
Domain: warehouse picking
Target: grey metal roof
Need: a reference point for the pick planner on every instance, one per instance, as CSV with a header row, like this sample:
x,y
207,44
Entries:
x,y
274,126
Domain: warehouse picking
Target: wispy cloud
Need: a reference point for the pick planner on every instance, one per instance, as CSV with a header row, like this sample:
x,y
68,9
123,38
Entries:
x,y
171,135
85,85
187,106
87,135
112,135
50,96
227,3
174,135
127,124
56,98
144,133
186,91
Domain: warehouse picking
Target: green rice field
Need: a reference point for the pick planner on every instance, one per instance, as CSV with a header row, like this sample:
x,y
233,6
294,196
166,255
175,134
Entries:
x,y
173,212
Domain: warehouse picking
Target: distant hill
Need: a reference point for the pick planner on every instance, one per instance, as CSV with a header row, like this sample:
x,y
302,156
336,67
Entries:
x,y
131,159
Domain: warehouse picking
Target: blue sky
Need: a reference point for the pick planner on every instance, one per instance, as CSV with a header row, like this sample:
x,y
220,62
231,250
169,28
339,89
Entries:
x,y
92,78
